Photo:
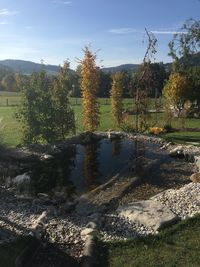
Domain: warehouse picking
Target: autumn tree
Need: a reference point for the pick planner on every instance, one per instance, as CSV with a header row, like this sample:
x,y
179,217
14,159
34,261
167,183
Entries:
x,y
63,113
175,93
89,77
144,84
116,97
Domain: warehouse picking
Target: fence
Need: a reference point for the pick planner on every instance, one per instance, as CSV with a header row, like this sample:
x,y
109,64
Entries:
x,y
15,101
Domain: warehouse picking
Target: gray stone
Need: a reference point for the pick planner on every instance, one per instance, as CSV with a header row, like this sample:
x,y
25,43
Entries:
x,y
46,157
177,152
150,213
197,162
23,178
92,225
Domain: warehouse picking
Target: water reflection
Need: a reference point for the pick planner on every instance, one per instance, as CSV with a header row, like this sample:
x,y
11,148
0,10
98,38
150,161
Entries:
x,y
51,176
116,147
91,166
82,168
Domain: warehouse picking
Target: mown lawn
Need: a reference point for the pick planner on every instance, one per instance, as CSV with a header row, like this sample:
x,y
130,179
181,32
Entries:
x,y
11,130
177,246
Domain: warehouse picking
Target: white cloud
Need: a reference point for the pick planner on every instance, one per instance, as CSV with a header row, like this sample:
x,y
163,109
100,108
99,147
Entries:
x,y
167,32
60,2
6,12
123,31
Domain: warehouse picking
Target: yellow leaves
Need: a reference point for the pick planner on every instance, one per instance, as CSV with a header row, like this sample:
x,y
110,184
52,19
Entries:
x,y
89,86
156,130
175,90
116,97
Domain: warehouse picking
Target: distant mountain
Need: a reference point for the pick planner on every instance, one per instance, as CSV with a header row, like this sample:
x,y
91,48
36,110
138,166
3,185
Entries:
x,y
124,67
28,67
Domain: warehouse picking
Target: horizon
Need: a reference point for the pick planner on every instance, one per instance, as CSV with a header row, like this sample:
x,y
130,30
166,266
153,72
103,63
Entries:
x,y
56,30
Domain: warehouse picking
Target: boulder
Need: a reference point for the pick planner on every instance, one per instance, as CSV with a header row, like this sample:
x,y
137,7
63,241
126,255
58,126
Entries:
x,y
195,177
150,213
177,152
22,178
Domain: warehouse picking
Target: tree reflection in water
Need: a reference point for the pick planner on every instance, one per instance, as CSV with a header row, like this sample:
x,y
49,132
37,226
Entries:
x,y
138,157
116,147
49,176
91,165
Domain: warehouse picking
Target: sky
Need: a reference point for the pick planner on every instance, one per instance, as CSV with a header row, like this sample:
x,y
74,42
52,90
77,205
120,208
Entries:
x,y
56,30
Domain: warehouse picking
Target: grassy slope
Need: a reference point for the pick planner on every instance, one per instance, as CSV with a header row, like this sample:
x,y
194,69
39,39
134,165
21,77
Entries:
x,y
177,246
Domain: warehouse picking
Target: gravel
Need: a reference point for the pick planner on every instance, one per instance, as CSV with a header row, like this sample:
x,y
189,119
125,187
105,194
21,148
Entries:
x,y
18,215
184,202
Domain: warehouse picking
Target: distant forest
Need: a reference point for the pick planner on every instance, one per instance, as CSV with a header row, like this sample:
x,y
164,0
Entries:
x,y
11,71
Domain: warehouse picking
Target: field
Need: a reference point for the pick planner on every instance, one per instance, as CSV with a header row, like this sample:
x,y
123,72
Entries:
x,y
11,129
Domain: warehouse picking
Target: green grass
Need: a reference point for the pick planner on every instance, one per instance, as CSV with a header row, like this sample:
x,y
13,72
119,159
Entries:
x,y
176,246
12,130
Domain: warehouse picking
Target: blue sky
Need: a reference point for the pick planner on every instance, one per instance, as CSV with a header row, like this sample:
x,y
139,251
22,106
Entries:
x,y
54,30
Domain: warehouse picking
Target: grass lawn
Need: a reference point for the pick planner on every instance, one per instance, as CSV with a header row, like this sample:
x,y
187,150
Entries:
x,y
11,132
176,246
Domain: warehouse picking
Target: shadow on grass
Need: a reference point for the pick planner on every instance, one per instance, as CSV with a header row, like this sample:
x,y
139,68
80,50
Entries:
x,y
30,252
175,246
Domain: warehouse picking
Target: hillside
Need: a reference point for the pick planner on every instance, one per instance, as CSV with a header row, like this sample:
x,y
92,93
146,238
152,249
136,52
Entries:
x,y
28,67
124,67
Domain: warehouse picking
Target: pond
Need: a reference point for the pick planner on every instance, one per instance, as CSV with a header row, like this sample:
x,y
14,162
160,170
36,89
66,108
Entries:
x,y
82,168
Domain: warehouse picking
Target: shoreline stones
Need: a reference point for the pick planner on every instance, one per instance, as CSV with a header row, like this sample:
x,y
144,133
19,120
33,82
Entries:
x,y
65,229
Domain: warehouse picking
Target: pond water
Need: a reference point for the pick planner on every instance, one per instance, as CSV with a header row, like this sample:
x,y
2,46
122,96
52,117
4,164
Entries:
x,y
82,168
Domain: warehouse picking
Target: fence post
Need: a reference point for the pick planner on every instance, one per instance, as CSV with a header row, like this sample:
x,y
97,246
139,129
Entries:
x,y
7,102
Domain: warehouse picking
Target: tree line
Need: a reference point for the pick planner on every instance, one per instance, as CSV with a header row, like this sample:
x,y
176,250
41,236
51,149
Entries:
x,y
45,111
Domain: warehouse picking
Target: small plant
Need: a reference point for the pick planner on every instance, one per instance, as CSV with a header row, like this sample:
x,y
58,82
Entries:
x,y
156,130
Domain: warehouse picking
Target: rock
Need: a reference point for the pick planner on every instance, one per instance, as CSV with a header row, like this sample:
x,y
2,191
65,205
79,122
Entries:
x,y
46,157
92,225
177,152
150,213
43,195
19,179
197,161
195,177
88,232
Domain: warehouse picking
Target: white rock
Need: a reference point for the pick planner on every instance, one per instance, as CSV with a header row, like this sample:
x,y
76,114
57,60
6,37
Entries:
x,y
150,213
88,231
